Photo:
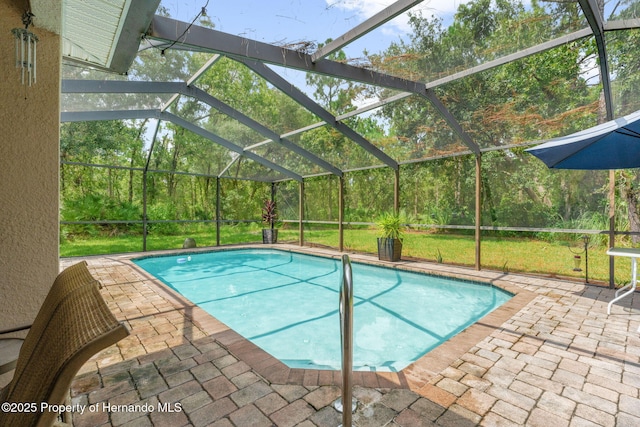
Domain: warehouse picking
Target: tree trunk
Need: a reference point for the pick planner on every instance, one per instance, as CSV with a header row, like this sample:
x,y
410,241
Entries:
x,y
110,182
415,197
63,178
171,179
530,193
631,196
131,164
487,200
194,197
458,168
567,195
634,220
330,201
133,154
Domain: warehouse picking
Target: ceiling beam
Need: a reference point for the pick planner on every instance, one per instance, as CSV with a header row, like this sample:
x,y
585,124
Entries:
x,y
92,116
452,121
521,54
585,32
254,54
156,114
624,24
261,129
208,40
228,144
298,96
193,78
596,22
119,86
365,27
116,86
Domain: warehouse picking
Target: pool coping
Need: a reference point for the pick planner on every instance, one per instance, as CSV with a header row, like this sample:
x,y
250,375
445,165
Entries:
x,y
416,376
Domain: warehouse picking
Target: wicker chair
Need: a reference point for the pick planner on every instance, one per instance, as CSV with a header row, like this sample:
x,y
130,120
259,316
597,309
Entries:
x,y
71,278
79,326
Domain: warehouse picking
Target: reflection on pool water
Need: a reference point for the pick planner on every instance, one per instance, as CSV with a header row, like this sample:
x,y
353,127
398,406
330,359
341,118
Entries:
x,y
287,303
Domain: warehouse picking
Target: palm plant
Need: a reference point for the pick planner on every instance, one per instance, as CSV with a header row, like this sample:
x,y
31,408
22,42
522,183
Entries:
x,y
391,225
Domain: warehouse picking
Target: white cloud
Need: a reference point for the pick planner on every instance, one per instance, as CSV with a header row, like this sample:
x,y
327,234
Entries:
x,y
364,9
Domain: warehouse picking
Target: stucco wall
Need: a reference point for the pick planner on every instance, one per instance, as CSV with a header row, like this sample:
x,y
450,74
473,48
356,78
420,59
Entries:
x,y
29,146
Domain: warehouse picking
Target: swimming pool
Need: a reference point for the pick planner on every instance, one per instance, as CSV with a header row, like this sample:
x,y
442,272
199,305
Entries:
x,y
287,304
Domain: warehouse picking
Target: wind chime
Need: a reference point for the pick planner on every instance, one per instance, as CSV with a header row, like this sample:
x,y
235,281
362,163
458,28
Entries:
x,y
26,43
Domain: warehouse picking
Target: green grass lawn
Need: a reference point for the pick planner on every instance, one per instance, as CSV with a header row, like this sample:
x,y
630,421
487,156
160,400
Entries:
x,y
526,255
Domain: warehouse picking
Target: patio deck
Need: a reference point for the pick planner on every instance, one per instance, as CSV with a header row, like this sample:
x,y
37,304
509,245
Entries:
x,y
552,357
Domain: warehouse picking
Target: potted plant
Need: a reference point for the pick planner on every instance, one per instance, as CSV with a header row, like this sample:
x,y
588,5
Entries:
x,y
391,227
269,217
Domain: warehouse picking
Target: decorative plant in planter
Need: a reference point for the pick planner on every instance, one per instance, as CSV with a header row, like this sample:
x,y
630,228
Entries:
x,y
391,226
269,217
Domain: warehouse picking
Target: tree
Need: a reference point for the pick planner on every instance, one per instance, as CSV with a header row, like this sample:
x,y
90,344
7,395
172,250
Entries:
x,y
537,97
336,95
624,62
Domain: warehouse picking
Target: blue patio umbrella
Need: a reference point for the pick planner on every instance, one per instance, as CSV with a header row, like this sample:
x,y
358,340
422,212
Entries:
x,y
611,145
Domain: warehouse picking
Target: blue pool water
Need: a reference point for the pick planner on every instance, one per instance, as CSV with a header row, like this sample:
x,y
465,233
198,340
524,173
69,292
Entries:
x,y
287,304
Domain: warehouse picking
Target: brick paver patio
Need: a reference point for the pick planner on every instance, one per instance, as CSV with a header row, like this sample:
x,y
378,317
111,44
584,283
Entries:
x,y
551,357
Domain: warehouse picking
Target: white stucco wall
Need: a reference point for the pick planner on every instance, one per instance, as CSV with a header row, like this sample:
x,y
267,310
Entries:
x,y
29,147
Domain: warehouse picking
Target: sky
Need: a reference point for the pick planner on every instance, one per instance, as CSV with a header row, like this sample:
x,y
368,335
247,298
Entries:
x,y
288,22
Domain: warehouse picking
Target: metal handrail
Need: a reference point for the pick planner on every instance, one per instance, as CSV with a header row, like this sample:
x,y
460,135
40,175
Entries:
x,y
346,335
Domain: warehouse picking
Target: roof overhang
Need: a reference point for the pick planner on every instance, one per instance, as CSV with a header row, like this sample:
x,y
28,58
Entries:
x,y
102,34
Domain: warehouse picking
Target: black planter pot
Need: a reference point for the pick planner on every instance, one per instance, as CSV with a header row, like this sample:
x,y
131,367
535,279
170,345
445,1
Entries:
x,y
389,249
269,235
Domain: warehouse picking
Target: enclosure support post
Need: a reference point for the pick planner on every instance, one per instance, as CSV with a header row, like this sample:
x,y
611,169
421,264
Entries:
x,y
396,191
478,208
217,211
341,213
145,224
612,225
301,213
144,211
